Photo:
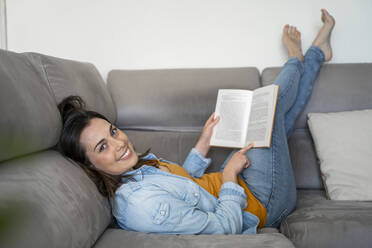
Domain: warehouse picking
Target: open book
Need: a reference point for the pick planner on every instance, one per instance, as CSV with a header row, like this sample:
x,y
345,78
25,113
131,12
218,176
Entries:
x,y
245,116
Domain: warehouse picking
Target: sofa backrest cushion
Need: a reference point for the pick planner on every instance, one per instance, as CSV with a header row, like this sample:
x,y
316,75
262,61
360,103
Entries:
x,y
165,109
339,87
67,77
172,99
54,201
29,119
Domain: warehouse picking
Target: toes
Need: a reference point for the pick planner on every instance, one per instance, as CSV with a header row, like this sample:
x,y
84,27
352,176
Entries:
x,y
327,18
323,16
297,32
285,29
293,31
325,12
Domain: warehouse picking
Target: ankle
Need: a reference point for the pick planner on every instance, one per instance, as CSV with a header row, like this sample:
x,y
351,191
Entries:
x,y
297,55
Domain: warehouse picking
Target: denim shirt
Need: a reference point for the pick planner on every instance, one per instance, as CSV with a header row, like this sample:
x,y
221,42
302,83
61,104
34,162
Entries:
x,y
161,202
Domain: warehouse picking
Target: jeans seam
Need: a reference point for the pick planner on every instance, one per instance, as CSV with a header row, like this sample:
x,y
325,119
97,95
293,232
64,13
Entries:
x,y
285,211
271,198
272,173
285,92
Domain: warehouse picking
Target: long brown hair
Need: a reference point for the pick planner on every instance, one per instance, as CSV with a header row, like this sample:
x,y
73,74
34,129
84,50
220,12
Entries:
x,y
75,118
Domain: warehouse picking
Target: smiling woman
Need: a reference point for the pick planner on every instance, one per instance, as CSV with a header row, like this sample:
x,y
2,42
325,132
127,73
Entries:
x,y
107,147
102,151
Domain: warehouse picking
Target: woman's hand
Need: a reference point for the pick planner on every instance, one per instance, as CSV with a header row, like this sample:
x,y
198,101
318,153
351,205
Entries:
x,y
237,163
203,143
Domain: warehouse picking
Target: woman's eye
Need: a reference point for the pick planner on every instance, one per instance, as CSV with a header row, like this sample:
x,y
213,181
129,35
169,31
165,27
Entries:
x,y
114,131
102,147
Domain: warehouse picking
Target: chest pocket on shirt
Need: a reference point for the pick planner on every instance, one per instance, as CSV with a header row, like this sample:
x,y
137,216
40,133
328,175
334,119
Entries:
x,y
162,215
192,193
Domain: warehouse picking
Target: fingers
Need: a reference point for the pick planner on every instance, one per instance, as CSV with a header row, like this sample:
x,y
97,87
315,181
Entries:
x,y
244,161
215,121
247,164
243,151
212,120
247,148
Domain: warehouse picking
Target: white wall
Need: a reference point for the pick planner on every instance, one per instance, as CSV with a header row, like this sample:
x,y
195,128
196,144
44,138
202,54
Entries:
x,y
3,33
138,34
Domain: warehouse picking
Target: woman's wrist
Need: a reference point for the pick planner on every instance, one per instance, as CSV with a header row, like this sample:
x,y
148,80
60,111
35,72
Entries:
x,y
229,176
202,148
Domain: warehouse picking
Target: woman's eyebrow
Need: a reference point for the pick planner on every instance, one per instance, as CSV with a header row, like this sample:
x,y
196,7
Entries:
x,y
101,141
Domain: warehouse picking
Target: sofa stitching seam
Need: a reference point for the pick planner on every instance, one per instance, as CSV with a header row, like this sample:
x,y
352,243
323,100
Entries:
x,y
48,81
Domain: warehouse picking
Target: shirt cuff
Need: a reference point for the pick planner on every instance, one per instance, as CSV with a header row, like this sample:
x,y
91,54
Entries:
x,y
205,160
234,192
195,158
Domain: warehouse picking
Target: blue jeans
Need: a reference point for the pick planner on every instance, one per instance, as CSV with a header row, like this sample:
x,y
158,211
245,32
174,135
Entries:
x,y
270,176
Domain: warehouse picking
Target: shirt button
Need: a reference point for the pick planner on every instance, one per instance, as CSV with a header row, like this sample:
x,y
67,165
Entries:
x,y
196,194
162,212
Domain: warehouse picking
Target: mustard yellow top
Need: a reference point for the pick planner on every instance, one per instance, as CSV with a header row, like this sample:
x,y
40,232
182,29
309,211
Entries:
x,y
212,183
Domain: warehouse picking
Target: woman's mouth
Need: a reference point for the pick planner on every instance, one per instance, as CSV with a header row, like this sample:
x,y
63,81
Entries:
x,y
126,154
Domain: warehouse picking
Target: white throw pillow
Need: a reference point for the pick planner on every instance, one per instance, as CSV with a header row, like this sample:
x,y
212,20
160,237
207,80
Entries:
x,y
343,143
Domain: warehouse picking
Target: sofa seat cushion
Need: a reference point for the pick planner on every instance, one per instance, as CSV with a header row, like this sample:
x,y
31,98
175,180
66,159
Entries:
x,y
121,238
318,222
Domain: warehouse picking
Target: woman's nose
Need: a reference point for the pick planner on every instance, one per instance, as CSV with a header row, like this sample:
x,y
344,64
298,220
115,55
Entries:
x,y
118,144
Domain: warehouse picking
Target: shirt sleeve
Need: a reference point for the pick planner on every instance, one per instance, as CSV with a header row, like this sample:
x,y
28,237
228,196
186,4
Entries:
x,y
195,163
162,213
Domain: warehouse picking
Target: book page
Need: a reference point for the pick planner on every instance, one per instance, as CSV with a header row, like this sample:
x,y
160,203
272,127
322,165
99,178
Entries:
x,y
233,107
261,117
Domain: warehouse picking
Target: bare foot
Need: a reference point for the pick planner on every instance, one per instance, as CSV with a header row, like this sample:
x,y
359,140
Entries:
x,y
323,39
292,41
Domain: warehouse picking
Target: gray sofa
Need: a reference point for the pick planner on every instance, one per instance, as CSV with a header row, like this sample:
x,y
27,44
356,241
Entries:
x,y
47,201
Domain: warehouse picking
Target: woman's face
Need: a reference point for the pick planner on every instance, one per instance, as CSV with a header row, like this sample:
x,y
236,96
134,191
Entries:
x,y
108,148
